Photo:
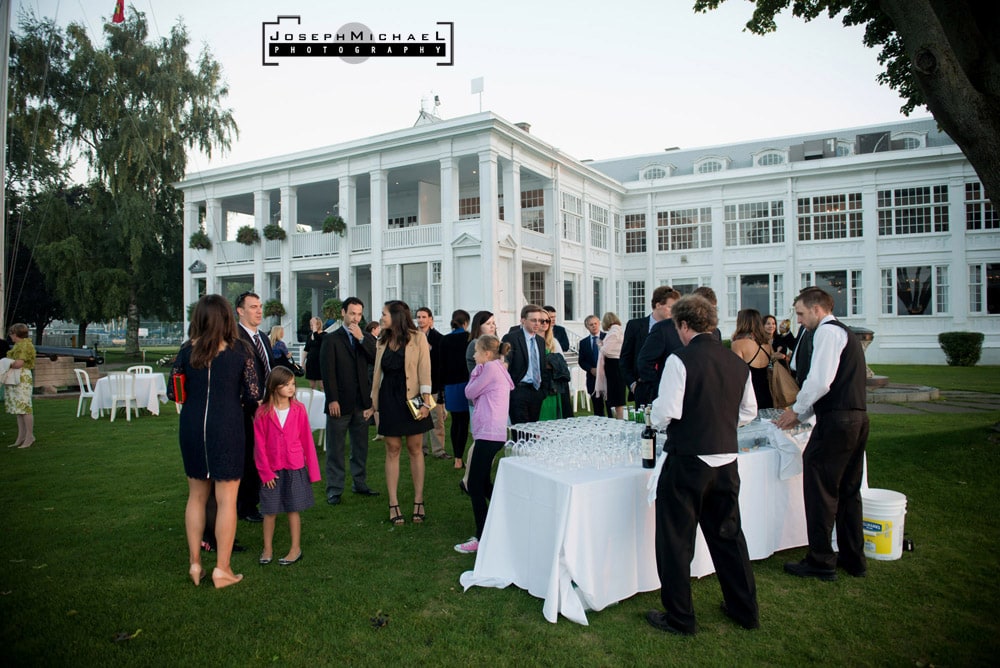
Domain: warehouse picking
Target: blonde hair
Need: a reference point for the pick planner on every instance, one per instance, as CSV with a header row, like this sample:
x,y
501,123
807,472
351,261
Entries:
x,y
277,332
491,345
610,318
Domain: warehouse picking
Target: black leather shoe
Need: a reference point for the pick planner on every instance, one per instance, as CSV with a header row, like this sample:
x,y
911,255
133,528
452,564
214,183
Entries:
x,y
804,569
748,625
658,620
853,572
238,548
253,517
333,500
367,491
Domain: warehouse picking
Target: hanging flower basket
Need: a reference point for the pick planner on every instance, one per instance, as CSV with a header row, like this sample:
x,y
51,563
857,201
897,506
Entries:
x,y
332,308
247,235
274,309
274,232
334,224
200,241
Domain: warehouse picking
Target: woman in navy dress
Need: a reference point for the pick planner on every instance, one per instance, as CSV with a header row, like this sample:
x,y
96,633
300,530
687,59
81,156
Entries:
x,y
219,377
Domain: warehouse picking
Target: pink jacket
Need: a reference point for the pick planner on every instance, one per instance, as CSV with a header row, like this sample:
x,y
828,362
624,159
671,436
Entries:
x,y
289,447
489,391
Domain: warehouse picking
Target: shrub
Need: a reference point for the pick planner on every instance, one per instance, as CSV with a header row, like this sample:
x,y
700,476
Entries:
x,y
200,241
247,235
961,348
274,231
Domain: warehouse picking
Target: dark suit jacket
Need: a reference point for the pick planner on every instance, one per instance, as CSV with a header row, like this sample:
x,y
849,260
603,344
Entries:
x,y
661,341
559,334
433,340
586,360
636,332
258,364
345,371
517,358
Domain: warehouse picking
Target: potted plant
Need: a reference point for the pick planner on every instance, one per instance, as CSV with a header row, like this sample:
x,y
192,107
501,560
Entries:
x,y
274,308
274,232
334,223
200,241
247,235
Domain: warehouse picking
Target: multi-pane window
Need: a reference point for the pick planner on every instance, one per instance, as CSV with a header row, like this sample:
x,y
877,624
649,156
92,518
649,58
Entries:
x,y
598,227
652,173
391,288
755,223
984,280
533,210
710,166
399,222
829,217
918,290
771,158
534,287
572,218
684,229
569,296
777,294
616,226
468,207
636,299
598,297
635,233
756,291
843,285
436,287
979,211
913,210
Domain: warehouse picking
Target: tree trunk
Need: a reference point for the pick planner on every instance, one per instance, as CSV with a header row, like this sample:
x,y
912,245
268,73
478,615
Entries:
x,y
132,326
956,67
81,334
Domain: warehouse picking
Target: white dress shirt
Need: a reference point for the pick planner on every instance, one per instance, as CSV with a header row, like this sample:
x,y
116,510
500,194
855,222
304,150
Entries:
x,y
828,344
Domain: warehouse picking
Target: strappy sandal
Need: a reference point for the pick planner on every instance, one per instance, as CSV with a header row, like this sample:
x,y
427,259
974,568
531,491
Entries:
x,y
396,518
418,517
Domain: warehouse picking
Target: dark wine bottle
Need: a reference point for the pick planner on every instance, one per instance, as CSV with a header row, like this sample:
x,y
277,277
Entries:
x,y
648,443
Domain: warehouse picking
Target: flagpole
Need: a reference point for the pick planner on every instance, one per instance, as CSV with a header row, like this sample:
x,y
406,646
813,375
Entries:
x,y
4,60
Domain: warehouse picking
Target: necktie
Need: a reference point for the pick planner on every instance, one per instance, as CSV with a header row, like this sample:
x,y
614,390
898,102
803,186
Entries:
x,y
536,376
593,346
259,345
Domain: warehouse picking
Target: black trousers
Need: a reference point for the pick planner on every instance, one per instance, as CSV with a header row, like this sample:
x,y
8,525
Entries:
x,y
459,432
692,493
248,495
832,467
525,403
480,485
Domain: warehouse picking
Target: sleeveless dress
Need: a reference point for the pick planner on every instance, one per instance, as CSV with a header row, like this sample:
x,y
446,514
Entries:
x,y
394,416
761,386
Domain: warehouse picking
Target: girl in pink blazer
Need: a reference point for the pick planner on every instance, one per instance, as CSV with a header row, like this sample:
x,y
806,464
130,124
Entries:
x,y
286,461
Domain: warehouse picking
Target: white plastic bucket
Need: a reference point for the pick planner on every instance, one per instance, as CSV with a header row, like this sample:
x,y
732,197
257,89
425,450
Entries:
x,y
883,513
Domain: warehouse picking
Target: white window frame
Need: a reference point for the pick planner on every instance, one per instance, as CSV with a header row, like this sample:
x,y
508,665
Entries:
x,y
939,301
896,212
829,217
754,223
770,157
853,297
980,214
673,225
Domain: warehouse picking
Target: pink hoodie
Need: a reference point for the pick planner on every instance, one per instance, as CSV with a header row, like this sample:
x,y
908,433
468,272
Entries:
x,y
489,391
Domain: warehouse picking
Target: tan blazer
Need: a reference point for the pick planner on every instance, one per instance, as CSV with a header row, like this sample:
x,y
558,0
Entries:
x,y
416,364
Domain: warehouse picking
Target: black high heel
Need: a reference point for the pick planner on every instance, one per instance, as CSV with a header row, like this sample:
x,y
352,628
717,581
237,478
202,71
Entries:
x,y
418,517
396,518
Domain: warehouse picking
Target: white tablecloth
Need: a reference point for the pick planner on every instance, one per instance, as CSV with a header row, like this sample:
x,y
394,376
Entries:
x,y
584,539
150,392
316,403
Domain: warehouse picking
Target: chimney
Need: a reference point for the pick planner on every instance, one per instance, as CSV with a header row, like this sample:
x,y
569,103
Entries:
x,y
524,126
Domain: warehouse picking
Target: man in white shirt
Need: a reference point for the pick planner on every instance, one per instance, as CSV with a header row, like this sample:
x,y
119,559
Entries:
x,y
250,312
434,439
705,393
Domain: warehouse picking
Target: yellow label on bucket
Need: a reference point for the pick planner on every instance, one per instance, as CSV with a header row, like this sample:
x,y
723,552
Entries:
x,y
878,535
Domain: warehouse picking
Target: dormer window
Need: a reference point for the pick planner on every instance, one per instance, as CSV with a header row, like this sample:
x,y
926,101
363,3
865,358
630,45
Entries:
x,y
844,148
908,140
769,157
655,171
710,164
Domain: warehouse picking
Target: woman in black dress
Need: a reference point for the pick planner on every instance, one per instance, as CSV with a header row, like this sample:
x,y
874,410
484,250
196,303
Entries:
x,y
753,345
402,372
313,343
219,376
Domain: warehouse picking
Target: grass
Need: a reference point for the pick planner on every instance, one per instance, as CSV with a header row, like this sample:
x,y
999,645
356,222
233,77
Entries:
x,y
94,550
973,379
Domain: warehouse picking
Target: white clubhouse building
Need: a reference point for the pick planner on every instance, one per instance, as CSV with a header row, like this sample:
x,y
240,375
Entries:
x,y
478,213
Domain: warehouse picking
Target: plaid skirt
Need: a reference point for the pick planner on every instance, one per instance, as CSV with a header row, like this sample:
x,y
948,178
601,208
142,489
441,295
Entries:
x,y
292,492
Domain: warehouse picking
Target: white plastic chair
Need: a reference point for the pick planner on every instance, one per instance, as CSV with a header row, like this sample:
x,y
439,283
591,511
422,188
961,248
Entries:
x,y
123,392
86,391
305,395
139,368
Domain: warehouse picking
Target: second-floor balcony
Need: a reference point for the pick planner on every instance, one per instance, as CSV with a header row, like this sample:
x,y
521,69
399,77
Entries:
x,y
408,237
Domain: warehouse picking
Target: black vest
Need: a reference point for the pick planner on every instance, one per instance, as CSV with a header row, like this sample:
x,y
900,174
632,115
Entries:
x,y
716,380
847,392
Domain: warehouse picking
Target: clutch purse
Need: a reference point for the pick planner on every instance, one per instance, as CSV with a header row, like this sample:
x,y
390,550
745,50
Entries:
x,y
178,384
416,403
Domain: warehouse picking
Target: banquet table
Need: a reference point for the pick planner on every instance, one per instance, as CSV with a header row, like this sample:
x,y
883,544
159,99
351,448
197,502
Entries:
x,y
150,392
584,539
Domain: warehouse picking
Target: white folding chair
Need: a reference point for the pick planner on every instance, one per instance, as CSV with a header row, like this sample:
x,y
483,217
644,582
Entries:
x,y
86,391
139,368
123,391
305,395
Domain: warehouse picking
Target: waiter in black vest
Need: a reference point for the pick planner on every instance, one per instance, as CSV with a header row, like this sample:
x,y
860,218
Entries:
x,y
705,393
833,461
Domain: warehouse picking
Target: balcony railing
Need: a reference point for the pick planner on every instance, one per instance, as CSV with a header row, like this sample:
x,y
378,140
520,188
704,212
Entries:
x,y
361,237
233,252
272,249
408,237
315,244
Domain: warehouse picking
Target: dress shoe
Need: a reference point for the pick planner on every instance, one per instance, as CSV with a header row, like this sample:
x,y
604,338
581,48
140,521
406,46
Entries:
x,y
238,548
289,562
365,491
853,572
804,569
197,574
333,500
253,517
658,620
748,625
223,579
462,486
264,561
442,455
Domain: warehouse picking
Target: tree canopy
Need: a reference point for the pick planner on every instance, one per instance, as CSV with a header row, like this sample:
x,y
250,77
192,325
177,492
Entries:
x,y
942,54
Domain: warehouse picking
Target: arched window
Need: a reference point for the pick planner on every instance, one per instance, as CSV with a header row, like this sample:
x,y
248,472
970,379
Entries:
x,y
709,166
844,148
909,140
769,157
655,171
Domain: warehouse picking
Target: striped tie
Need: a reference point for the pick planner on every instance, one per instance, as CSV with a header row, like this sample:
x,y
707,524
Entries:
x,y
259,345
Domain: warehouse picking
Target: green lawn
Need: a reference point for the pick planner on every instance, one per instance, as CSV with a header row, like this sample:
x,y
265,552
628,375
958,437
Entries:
x,y
94,549
973,379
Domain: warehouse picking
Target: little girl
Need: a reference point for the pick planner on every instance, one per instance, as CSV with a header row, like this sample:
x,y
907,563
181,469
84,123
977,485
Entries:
x,y
489,390
283,452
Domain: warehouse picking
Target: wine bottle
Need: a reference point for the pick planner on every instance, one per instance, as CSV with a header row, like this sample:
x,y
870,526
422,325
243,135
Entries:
x,y
648,443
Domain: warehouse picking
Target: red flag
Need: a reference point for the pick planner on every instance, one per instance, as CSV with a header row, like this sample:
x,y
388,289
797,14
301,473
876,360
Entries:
x,y
119,16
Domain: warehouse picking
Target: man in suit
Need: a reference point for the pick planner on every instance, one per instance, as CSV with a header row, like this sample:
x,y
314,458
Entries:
x,y
636,331
705,393
434,439
344,358
524,363
590,348
660,342
833,461
559,334
250,312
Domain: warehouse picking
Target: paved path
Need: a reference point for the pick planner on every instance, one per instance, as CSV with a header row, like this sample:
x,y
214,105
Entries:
x,y
953,401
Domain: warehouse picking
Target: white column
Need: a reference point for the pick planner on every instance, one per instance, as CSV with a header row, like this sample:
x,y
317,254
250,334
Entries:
x,y
346,209
449,215
511,174
190,255
489,213
289,220
261,217
379,188
215,227
958,269
872,274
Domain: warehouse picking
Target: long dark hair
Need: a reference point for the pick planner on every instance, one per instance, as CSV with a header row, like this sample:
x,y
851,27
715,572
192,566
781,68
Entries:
x,y
279,376
477,323
749,325
401,326
212,324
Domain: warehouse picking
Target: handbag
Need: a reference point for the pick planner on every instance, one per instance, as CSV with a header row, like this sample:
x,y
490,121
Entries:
x,y
417,402
784,389
178,384
289,364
